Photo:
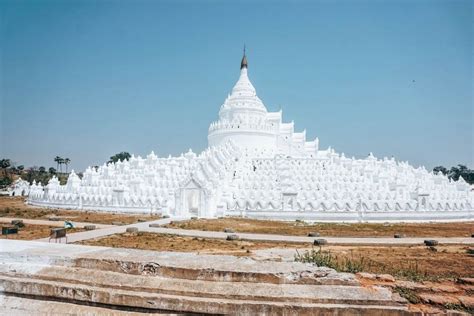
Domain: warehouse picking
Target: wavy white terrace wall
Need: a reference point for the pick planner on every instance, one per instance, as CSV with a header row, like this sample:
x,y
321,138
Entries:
x,y
258,166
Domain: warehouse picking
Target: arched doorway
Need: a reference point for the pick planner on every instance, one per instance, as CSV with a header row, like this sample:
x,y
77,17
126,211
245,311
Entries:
x,y
191,199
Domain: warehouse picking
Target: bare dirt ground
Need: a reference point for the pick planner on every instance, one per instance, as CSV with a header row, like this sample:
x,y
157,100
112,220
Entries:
x,y
30,232
16,207
404,261
298,228
165,242
433,280
410,262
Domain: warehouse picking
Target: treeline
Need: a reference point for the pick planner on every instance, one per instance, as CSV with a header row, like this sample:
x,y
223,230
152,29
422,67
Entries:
x,y
9,172
456,172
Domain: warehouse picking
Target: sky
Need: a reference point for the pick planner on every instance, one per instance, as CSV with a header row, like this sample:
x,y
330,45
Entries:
x,y
88,79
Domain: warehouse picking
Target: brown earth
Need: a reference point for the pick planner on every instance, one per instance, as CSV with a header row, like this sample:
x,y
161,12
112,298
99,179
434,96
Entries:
x,y
298,228
406,262
16,207
165,242
410,262
30,232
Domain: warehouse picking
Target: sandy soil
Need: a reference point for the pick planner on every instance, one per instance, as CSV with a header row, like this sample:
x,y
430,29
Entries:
x,y
165,242
242,225
30,232
444,262
16,207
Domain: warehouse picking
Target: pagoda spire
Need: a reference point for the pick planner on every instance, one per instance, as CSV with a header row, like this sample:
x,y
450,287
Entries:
x,y
243,63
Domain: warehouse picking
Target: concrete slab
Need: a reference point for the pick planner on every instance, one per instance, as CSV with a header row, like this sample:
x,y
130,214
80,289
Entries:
x,y
185,282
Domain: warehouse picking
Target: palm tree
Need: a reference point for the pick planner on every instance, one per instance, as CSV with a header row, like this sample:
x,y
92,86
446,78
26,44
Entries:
x,y
61,162
66,162
57,160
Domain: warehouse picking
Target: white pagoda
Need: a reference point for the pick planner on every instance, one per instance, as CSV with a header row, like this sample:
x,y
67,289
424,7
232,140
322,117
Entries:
x,y
258,166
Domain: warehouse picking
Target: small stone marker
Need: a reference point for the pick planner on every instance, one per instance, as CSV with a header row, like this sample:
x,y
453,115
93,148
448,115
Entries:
x,y
141,220
320,242
117,223
18,223
154,225
57,234
399,236
229,230
89,227
232,237
431,242
132,230
313,234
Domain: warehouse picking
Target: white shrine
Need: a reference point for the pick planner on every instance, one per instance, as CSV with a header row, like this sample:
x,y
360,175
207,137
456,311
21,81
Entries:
x,y
258,166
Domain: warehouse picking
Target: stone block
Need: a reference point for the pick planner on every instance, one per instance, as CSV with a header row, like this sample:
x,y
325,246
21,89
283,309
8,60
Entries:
x,y
385,278
18,223
229,230
232,237
313,234
89,227
467,301
366,275
132,230
399,236
431,242
117,223
320,242
141,220
469,281
438,299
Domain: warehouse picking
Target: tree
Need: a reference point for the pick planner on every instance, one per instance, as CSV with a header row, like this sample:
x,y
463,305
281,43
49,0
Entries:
x,y
441,169
120,157
5,164
21,168
61,162
42,169
66,162
57,160
456,172
52,171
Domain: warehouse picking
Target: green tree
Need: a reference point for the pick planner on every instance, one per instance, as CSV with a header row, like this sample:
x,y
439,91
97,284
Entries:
x,y
66,162
120,157
5,164
441,169
42,169
57,160
52,171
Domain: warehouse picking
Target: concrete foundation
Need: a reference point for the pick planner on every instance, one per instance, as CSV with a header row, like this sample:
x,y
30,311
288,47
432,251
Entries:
x,y
183,282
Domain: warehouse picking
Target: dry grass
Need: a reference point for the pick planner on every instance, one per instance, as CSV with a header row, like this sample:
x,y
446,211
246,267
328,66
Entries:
x,y
31,232
16,207
410,262
166,242
298,228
